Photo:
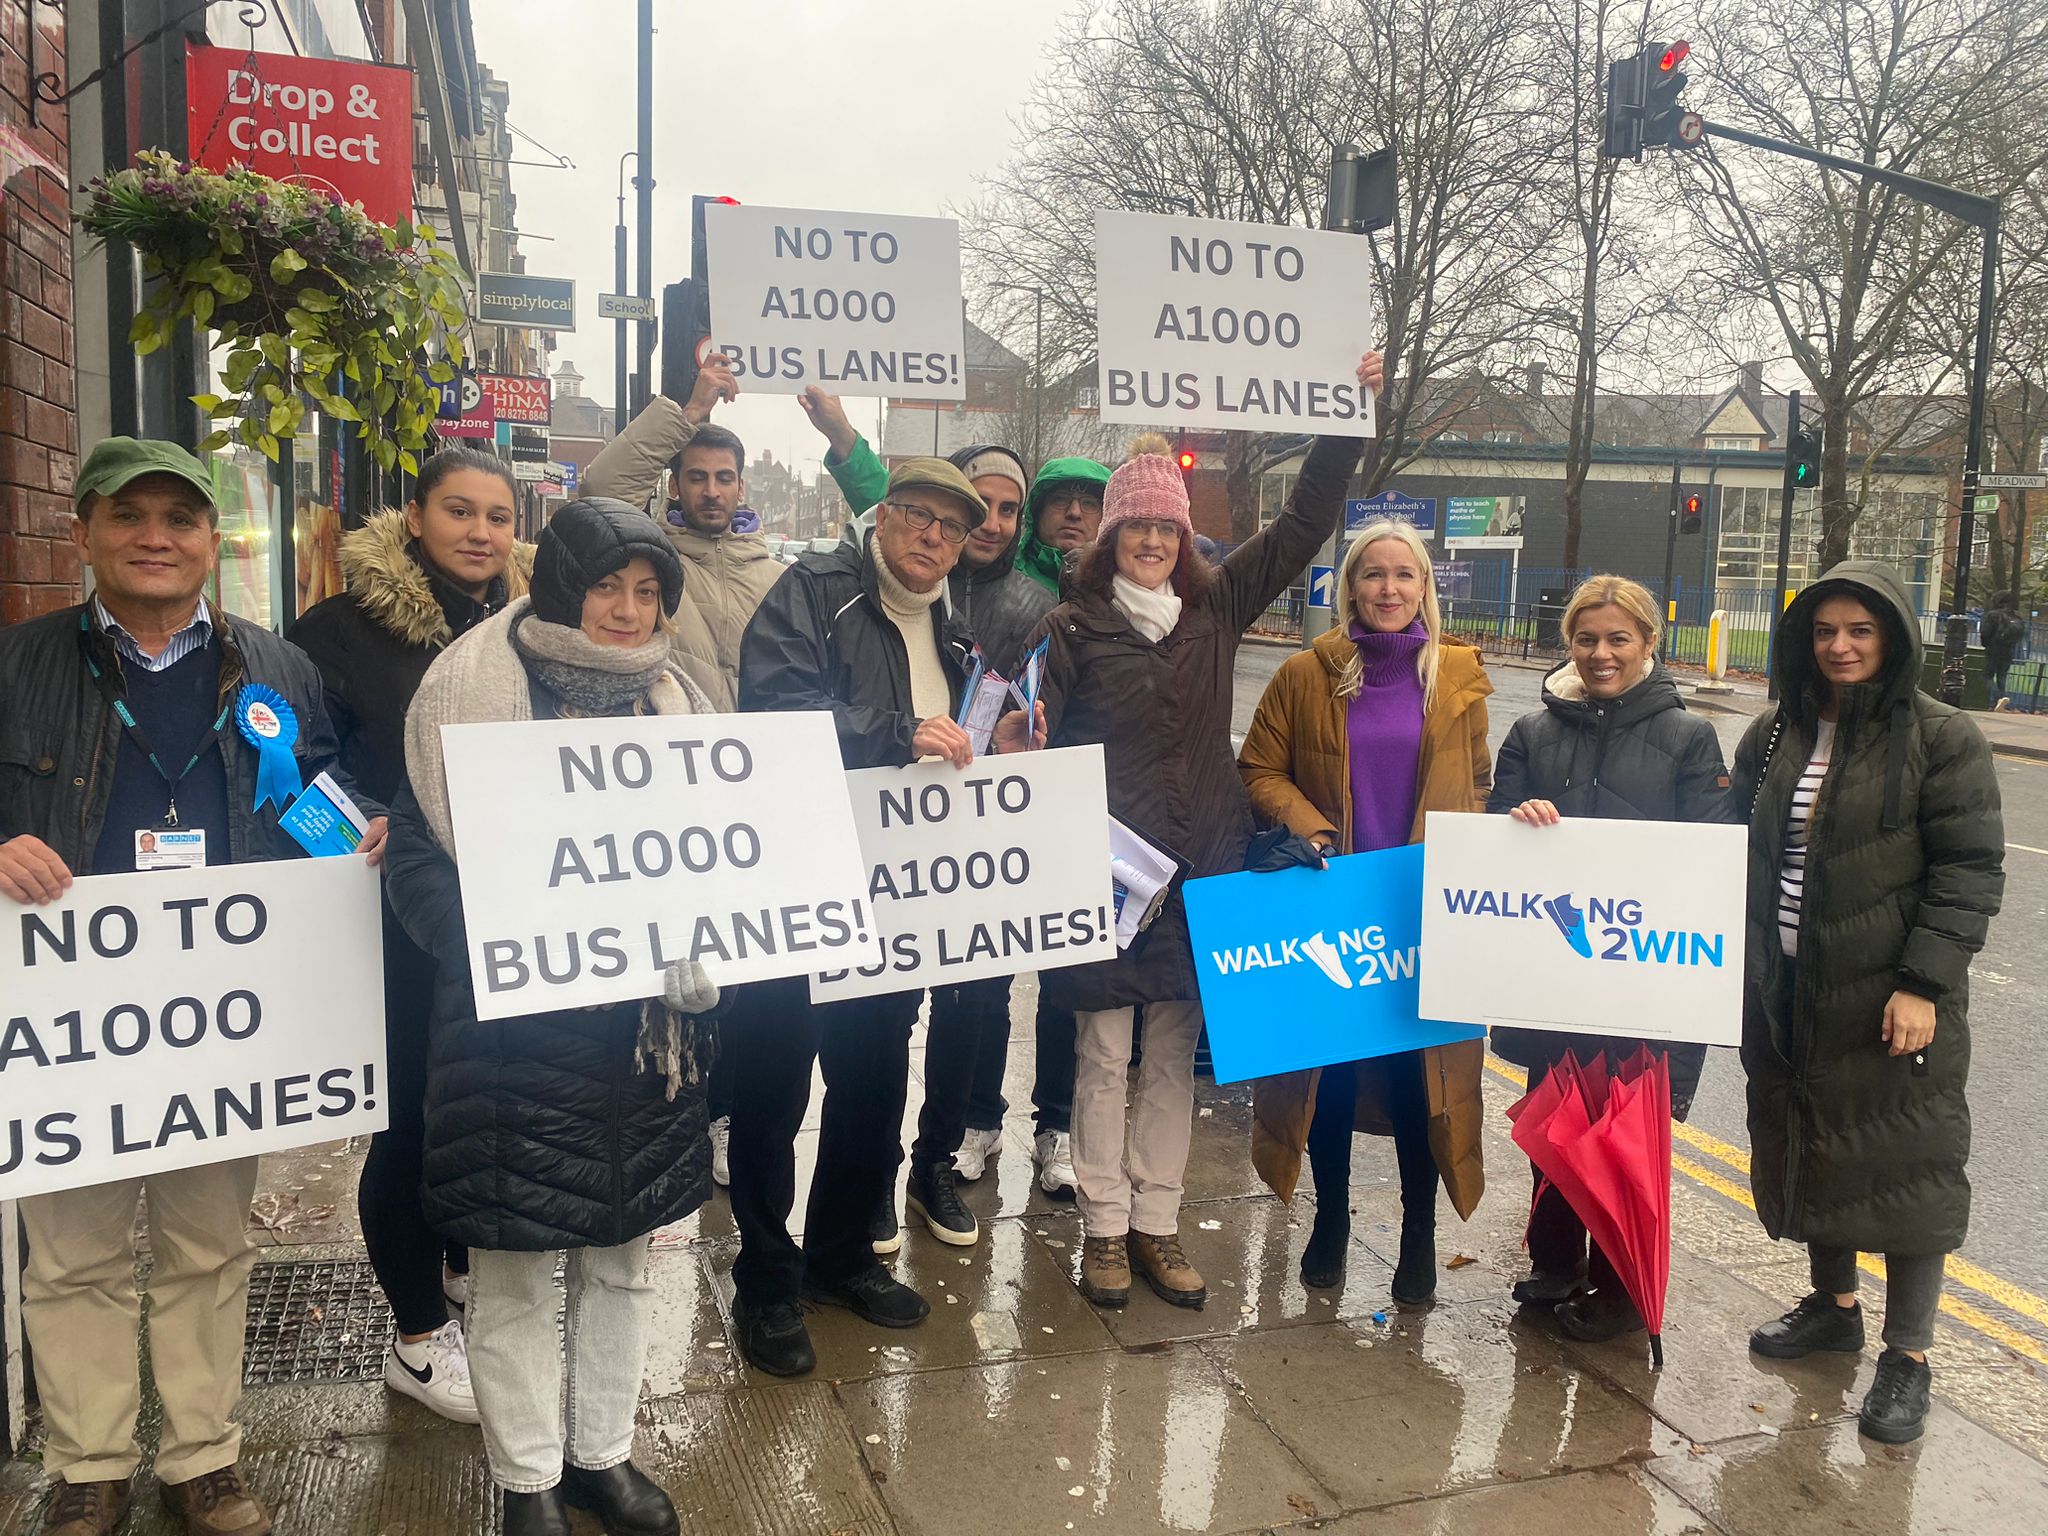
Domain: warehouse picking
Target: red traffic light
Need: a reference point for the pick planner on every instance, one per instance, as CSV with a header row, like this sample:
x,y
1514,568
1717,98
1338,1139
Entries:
x,y
1692,506
1673,56
1187,460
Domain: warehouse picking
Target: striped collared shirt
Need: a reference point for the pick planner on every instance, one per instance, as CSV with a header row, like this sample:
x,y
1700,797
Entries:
x,y
183,643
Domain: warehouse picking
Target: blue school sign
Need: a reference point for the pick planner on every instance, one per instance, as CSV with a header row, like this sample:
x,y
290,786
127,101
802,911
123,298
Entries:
x,y
1419,511
1306,967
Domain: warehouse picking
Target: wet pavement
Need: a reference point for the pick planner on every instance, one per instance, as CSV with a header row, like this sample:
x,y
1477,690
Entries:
x,y
1019,1407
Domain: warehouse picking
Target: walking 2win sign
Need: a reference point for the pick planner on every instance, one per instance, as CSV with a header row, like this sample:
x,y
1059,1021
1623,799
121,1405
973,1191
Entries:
x,y
1589,927
180,1017
594,854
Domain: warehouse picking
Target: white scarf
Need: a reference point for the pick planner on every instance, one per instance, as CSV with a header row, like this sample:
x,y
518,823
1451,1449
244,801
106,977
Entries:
x,y
1152,611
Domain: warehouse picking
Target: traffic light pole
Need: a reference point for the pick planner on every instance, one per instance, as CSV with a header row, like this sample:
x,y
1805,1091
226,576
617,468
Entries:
x,y
1670,554
1784,537
643,183
1982,213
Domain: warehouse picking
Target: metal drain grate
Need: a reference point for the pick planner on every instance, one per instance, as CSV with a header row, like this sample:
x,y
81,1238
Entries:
x,y
315,1320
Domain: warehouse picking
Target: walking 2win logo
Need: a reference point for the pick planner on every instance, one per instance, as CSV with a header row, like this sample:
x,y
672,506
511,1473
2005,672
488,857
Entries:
x,y
1365,948
1605,928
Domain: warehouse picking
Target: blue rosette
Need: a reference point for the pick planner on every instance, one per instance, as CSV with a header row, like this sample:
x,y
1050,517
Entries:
x,y
268,723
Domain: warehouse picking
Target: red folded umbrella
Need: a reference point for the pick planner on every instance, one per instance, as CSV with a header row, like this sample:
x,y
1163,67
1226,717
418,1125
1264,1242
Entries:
x,y
1603,1136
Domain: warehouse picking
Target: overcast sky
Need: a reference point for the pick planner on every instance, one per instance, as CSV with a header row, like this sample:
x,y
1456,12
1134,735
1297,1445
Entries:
x,y
861,106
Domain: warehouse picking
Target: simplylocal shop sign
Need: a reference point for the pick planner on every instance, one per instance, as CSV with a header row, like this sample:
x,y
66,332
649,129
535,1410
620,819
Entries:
x,y
344,128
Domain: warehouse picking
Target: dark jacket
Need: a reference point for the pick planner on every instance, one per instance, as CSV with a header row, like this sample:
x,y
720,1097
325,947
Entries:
x,y
1639,758
1162,714
1850,1146
59,737
821,640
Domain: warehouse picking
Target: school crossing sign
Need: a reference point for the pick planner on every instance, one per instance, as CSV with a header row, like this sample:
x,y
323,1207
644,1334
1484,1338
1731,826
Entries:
x,y
1592,927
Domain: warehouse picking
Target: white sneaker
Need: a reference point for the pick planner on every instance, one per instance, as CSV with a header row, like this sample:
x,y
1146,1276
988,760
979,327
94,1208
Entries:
x,y
1054,1151
455,1287
434,1371
721,1151
971,1161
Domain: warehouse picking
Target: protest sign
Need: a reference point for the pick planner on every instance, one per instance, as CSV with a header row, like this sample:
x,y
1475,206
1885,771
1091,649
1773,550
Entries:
x,y
1591,927
857,303
1304,967
596,853
1206,324
181,1017
998,868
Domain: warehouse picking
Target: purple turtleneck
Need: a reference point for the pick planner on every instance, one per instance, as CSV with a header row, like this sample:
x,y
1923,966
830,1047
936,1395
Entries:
x,y
1384,723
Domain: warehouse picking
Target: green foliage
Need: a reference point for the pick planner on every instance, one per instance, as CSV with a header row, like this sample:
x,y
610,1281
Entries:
x,y
302,291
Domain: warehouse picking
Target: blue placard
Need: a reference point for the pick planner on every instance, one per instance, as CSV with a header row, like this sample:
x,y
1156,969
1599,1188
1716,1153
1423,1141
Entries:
x,y
1418,511
1306,967
1322,585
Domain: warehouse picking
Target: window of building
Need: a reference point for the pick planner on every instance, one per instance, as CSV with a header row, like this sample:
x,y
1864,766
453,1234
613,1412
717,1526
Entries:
x,y
1086,398
1901,528
1500,435
1275,486
1737,444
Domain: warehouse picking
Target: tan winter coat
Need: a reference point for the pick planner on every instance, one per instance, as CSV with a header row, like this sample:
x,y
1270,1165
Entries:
x,y
725,576
1297,769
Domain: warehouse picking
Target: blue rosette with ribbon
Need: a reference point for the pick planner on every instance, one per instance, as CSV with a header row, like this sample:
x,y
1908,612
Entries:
x,y
268,723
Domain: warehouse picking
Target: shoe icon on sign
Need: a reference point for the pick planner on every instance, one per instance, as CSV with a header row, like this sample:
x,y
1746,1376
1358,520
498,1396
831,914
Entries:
x,y
1324,953
1571,922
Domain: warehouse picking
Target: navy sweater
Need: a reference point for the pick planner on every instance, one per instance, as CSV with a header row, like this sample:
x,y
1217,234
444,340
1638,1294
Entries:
x,y
176,709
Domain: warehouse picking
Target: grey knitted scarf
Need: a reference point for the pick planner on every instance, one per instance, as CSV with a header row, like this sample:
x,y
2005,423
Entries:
x,y
591,678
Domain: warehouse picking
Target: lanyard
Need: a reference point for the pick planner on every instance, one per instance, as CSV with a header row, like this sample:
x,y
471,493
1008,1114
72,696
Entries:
x,y
120,707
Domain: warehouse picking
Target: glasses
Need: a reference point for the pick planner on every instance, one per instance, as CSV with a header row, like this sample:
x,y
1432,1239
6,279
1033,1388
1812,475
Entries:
x,y
1062,501
922,518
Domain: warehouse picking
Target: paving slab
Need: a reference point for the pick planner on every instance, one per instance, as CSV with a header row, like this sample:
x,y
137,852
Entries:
x,y
1618,1502
1830,1481
1105,1442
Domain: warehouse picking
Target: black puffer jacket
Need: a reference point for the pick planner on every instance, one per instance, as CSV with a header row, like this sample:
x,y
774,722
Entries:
x,y
1640,757
821,640
1850,1146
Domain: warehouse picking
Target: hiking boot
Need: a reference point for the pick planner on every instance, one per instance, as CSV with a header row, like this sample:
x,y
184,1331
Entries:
x,y
1547,1287
1415,1273
1329,1242
217,1504
87,1509
721,1151
1053,1151
976,1148
933,1200
773,1337
535,1514
885,1236
625,1500
1598,1316
1895,1408
1816,1323
1105,1271
1167,1270
873,1294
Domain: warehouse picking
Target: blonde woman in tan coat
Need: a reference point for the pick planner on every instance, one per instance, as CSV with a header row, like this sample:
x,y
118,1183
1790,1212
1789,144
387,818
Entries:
x,y
1356,740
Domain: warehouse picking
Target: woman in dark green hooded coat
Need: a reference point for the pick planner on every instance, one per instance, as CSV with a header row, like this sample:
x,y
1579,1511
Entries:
x,y
1876,853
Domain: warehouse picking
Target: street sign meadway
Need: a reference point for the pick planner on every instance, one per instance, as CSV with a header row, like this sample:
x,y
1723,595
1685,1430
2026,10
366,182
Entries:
x,y
2013,482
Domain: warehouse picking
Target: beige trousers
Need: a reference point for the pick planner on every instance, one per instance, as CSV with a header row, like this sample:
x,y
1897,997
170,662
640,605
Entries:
x,y
1117,1197
82,1313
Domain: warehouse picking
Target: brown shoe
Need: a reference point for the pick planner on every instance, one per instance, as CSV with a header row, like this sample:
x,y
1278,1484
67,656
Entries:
x,y
1105,1271
86,1509
1167,1270
217,1504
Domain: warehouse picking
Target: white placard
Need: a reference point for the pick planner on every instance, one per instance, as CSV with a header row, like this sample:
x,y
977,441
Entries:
x,y
990,870
595,853
1201,323
182,1017
1591,927
858,303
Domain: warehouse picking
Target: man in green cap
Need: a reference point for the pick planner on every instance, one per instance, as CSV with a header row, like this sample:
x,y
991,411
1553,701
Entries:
x,y
100,704
859,631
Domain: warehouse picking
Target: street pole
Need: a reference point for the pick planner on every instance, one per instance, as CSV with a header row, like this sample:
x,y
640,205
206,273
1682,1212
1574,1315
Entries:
x,y
1955,643
1038,396
619,279
643,182
1777,608
1670,554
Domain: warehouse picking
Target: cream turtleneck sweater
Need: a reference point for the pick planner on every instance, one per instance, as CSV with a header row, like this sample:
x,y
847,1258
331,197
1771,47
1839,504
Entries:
x,y
911,612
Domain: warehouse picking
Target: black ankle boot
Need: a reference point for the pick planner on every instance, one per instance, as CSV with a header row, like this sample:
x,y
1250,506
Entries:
x,y
535,1514
1329,1243
1415,1274
626,1501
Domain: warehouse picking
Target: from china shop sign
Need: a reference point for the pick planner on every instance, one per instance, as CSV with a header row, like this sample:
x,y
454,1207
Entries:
x,y
337,125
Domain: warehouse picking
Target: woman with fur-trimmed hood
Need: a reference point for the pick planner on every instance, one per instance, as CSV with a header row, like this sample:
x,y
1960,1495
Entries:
x,y
417,578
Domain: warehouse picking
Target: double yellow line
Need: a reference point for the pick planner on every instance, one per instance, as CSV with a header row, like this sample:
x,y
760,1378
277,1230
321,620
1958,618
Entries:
x,y
1960,1270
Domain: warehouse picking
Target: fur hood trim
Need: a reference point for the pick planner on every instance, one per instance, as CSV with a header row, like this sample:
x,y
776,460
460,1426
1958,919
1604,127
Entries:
x,y
393,588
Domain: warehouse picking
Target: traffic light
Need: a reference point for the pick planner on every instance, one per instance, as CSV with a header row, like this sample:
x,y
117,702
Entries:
x,y
1621,117
1804,453
1641,109
1663,79
1689,513
1184,456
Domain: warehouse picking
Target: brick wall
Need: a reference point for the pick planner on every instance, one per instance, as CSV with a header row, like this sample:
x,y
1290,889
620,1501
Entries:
x,y
38,387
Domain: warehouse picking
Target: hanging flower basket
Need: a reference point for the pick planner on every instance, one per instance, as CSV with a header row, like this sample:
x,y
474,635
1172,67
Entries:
x,y
311,298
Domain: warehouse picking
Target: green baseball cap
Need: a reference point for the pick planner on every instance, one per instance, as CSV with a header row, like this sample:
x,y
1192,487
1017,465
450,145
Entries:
x,y
116,461
940,475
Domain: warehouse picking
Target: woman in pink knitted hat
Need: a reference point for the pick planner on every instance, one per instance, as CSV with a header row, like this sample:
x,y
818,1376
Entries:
x,y
1141,660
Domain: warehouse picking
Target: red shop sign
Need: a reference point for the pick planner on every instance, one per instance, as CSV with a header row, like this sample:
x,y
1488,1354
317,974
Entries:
x,y
339,126
520,397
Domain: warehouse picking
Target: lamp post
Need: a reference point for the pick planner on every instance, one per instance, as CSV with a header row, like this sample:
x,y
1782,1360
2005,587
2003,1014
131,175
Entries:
x,y
1037,369
619,401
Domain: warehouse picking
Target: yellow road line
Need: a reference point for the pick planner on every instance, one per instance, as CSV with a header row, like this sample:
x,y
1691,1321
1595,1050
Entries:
x,y
1959,1269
